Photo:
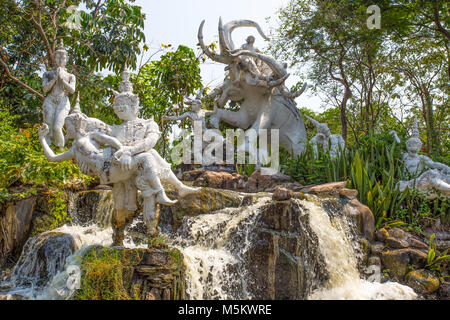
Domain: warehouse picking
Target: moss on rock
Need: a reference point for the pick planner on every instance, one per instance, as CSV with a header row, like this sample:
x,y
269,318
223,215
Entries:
x,y
132,274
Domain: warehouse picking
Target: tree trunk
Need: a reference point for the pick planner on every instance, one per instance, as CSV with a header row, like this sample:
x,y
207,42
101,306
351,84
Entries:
x,y
347,95
429,119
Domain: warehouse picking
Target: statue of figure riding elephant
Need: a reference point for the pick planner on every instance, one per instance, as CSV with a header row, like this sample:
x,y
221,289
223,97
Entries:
x,y
257,81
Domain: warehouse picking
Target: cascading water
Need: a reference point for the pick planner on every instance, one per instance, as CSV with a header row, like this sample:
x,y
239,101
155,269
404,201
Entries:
x,y
214,247
48,267
345,281
216,251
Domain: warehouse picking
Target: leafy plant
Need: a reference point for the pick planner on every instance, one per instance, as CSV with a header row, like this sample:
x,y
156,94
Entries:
x,y
22,162
58,209
434,258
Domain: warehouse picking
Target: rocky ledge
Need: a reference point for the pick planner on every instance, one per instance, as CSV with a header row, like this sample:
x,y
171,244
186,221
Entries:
x,y
156,273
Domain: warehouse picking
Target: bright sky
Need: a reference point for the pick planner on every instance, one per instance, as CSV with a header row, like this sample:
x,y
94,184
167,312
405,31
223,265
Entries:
x,y
176,22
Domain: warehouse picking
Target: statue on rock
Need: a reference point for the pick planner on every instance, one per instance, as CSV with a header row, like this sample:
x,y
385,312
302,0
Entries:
x,y
198,121
334,142
197,113
428,176
121,155
257,82
56,105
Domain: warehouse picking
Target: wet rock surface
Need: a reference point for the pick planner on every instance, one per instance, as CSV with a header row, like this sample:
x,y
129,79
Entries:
x,y
285,261
422,281
404,257
156,273
15,226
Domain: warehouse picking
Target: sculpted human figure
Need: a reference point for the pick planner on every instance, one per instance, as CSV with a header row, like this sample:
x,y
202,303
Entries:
x,y
199,115
89,136
324,138
136,136
122,155
427,174
56,105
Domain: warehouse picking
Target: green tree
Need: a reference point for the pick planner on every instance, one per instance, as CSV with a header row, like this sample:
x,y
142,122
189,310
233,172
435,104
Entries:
x,y
334,40
105,35
163,84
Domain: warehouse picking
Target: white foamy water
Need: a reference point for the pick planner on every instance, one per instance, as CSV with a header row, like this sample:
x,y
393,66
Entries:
x,y
214,247
345,282
63,283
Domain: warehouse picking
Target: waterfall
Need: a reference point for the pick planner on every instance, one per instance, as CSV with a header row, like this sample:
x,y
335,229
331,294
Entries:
x,y
49,266
218,249
345,281
214,247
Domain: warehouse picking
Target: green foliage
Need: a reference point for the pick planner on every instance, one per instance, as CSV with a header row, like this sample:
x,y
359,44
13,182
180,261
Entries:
x,y
434,258
156,241
23,162
103,276
58,209
372,78
163,84
98,35
373,167
245,169
310,168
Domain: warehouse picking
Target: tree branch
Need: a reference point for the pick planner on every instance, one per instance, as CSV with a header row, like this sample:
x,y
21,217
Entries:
x,y
41,31
13,78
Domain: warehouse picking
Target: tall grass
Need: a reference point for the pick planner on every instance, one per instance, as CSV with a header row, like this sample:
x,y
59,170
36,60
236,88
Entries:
x,y
373,167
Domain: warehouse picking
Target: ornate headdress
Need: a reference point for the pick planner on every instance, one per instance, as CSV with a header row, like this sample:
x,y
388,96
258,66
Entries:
x,y
125,94
61,48
414,140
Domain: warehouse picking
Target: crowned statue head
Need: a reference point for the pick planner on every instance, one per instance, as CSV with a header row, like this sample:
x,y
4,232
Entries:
x,y
61,56
414,144
126,103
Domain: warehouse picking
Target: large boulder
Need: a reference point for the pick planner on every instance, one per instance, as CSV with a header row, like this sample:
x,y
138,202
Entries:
x,y
398,261
156,273
363,218
206,201
43,257
422,281
260,183
220,180
15,222
284,260
332,188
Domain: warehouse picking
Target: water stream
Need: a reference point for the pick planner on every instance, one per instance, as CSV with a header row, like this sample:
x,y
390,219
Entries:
x,y
215,248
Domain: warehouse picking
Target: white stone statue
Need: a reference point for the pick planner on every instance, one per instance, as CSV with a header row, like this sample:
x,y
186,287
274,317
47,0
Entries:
x,y
265,102
198,120
326,140
56,105
197,113
128,160
432,178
